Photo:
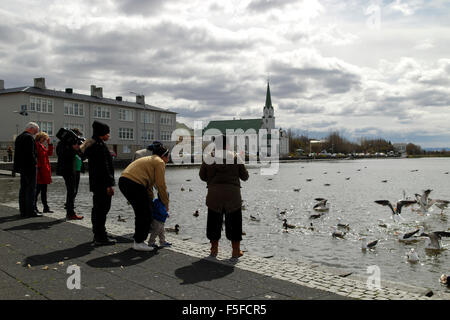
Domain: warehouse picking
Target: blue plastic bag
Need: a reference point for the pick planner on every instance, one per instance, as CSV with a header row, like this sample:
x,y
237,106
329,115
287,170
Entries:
x,y
159,210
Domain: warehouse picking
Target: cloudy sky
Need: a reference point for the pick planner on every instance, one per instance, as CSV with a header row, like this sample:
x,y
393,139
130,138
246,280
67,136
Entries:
x,y
364,68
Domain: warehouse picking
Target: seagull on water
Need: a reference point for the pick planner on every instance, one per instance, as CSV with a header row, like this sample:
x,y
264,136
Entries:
x,y
365,245
322,205
445,279
176,229
287,225
337,234
315,215
412,256
434,239
381,223
341,225
398,207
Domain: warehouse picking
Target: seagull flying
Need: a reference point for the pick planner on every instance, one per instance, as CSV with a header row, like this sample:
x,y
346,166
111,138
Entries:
x,y
442,204
435,237
398,207
424,201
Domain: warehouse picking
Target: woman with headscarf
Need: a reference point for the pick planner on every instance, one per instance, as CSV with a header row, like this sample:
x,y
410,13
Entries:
x,y
222,172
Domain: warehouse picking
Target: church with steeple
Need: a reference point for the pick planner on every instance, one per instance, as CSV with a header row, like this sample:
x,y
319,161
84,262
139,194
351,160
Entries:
x,y
267,121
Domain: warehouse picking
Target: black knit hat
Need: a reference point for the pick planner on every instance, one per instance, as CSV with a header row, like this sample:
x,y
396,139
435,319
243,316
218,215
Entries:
x,y
100,129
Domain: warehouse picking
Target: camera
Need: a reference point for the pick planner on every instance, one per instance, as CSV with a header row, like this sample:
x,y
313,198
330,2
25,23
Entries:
x,y
69,137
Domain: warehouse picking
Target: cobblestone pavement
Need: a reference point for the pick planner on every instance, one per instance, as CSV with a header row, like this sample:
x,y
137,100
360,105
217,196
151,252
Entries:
x,y
307,274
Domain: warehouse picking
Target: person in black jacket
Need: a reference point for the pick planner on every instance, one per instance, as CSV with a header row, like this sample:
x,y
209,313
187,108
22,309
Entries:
x,y
66,167
101,180
25,160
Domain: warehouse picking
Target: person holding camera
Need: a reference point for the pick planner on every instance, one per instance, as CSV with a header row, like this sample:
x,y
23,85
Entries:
x,y
44,170
68,147
79,165
101,180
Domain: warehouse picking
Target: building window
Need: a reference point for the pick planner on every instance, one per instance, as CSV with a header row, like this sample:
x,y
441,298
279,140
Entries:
x,y
126,134
147,117
79,126
102,112
166,135
39,104
46,126
148,135
126,115
73,109
166,119
126,149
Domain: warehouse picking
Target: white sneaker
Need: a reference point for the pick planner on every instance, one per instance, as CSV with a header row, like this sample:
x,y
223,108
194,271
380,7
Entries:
x,y
142,246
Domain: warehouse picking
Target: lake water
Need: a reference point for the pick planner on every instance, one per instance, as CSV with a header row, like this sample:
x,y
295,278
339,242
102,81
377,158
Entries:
x,y
351,200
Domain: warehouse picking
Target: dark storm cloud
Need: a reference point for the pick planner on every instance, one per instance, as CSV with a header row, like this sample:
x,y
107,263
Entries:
x,y
140,7
10,35
323,124
300,108
193,113
300,79
266,5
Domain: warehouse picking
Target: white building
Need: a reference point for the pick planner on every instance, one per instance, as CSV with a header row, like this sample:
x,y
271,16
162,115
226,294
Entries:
x,y
133,125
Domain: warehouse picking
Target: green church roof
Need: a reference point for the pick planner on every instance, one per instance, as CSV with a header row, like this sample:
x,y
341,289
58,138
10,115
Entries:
x,y
244,124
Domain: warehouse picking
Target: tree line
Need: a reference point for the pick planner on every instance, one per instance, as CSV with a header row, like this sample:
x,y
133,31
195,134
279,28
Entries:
x,y
336,143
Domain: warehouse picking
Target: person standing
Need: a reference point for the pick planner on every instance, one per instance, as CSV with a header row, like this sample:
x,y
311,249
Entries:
x,y
25,160
44,171
101,180
66,151
222,172
10,154
137,182
79,165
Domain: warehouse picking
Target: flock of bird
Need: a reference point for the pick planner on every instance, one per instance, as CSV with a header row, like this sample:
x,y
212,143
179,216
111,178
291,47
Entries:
x,y
422,201
340,230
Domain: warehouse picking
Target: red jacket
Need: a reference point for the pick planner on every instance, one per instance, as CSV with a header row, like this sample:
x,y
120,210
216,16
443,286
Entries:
x,y
44,172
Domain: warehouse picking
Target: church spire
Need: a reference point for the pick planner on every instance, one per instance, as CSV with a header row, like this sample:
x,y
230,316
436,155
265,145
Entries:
x,y
268,98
